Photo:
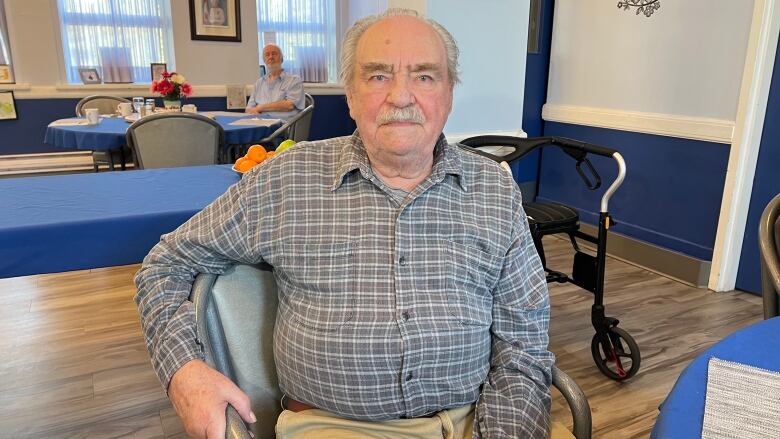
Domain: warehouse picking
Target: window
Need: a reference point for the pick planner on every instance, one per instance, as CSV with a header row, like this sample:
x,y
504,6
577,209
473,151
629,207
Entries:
x,y
309,32
305,30
120,38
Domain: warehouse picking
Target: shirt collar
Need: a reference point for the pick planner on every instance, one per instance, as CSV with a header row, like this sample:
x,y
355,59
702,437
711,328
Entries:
x,y
281,76
446,160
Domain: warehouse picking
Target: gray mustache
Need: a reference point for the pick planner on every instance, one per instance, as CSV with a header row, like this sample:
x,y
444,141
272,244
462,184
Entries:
x,y
410,114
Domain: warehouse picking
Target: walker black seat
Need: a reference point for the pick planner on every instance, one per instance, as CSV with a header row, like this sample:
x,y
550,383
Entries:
x,y
551,218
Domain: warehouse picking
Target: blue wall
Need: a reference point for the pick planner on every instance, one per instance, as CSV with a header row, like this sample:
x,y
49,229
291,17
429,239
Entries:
x,y
671,195
25,135
537,68
766,185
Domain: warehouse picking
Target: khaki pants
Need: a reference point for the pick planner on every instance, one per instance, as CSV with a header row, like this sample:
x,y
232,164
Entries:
x,y
454,423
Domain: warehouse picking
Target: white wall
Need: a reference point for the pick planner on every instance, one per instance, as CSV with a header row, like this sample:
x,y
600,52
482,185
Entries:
x,y
216,62
34,36
686,59
492,36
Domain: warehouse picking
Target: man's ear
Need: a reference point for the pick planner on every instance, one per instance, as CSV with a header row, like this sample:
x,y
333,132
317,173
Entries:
x,y
348,94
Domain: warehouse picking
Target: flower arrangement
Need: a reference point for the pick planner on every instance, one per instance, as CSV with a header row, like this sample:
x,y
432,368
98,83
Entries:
x,y
172,86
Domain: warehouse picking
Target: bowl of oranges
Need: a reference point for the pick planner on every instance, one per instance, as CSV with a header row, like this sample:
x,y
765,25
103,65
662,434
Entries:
x,y
255,155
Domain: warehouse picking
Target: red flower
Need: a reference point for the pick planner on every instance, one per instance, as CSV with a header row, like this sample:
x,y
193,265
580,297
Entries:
x,y
186,89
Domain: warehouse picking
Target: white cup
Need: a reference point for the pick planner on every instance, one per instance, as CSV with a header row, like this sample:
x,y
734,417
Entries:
x,y
93,116
189,108
125,108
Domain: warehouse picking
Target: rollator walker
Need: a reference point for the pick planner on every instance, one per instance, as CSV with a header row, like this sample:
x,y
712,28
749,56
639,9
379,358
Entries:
x,y
615,352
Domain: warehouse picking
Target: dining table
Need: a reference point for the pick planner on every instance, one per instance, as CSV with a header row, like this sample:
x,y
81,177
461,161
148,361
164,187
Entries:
x,y
57,223
682,412
109,133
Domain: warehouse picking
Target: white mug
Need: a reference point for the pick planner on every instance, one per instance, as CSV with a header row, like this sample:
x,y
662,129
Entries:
x,y
189,108
93,116
125,108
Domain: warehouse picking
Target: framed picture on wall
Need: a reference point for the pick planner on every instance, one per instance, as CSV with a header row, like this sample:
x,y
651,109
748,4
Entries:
x,y
157,70
215,20
6,76
7,105
89,76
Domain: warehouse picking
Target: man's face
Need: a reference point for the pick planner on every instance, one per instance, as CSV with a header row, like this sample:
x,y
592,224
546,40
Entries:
x,y
272,56
401,95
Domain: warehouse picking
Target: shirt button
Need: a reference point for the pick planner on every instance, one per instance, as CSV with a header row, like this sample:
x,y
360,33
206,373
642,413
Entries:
x,y
402,260
409,376
404,316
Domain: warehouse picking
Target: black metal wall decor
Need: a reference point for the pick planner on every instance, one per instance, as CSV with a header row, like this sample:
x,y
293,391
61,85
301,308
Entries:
x,y
647,7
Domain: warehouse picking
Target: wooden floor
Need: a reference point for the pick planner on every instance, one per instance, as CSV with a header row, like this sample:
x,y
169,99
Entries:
x,y
74,363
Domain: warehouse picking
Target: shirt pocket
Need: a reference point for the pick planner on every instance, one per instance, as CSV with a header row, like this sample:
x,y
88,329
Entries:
x,y
318,283
471,277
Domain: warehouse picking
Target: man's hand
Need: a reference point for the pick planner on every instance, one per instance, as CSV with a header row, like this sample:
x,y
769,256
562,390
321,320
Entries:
x,y
200,396
255,110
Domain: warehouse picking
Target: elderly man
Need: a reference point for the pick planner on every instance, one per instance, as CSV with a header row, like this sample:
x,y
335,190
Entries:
x,y
278,94
412,303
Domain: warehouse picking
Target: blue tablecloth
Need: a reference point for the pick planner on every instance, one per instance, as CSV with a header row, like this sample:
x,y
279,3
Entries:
x,y
682,413
71,222
110,134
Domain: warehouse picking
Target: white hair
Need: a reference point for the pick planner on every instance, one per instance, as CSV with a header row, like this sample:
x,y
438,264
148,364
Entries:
x,y
349,45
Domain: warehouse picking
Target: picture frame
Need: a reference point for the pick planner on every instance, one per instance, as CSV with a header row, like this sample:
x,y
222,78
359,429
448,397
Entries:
x,y
6,75
89,76
215,20
236,97
157,69
7,106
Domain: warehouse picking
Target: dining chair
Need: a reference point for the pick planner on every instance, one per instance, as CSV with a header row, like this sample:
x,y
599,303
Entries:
x,y
295,128
169,140
235,313
105,104
769,247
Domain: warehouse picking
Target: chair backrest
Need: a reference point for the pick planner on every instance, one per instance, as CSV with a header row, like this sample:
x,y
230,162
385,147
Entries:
x,y
299,131
235,314
769,247
296,127
169,140
105,104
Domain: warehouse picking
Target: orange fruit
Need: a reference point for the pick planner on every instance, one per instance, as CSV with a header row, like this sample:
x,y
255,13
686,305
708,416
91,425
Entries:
x,y
256,153
245,164
270,154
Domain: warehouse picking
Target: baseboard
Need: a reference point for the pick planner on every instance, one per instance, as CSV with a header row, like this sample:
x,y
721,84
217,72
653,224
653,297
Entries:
x,y
665,262
52,163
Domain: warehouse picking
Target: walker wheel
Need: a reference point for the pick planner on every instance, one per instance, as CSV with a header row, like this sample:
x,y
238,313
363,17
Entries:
x,y
619,359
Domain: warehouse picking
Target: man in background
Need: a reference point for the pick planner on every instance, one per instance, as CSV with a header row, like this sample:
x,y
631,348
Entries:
x,y
278,94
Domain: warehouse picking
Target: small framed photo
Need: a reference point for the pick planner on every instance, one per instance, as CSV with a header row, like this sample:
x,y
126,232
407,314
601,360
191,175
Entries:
x,y
236,97
215,20
157,70
89,76
6,75
7,106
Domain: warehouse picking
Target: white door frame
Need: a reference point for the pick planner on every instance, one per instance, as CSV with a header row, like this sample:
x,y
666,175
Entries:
x,y
743,156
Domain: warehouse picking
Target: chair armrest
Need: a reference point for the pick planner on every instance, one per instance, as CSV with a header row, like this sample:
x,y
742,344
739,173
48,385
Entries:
x,y
235,427
578,403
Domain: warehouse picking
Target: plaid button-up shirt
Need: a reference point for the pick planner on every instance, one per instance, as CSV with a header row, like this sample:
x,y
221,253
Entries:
x,y
388,308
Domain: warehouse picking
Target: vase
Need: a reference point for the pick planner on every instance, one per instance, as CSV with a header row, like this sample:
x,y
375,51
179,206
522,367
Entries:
x,y
172,104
